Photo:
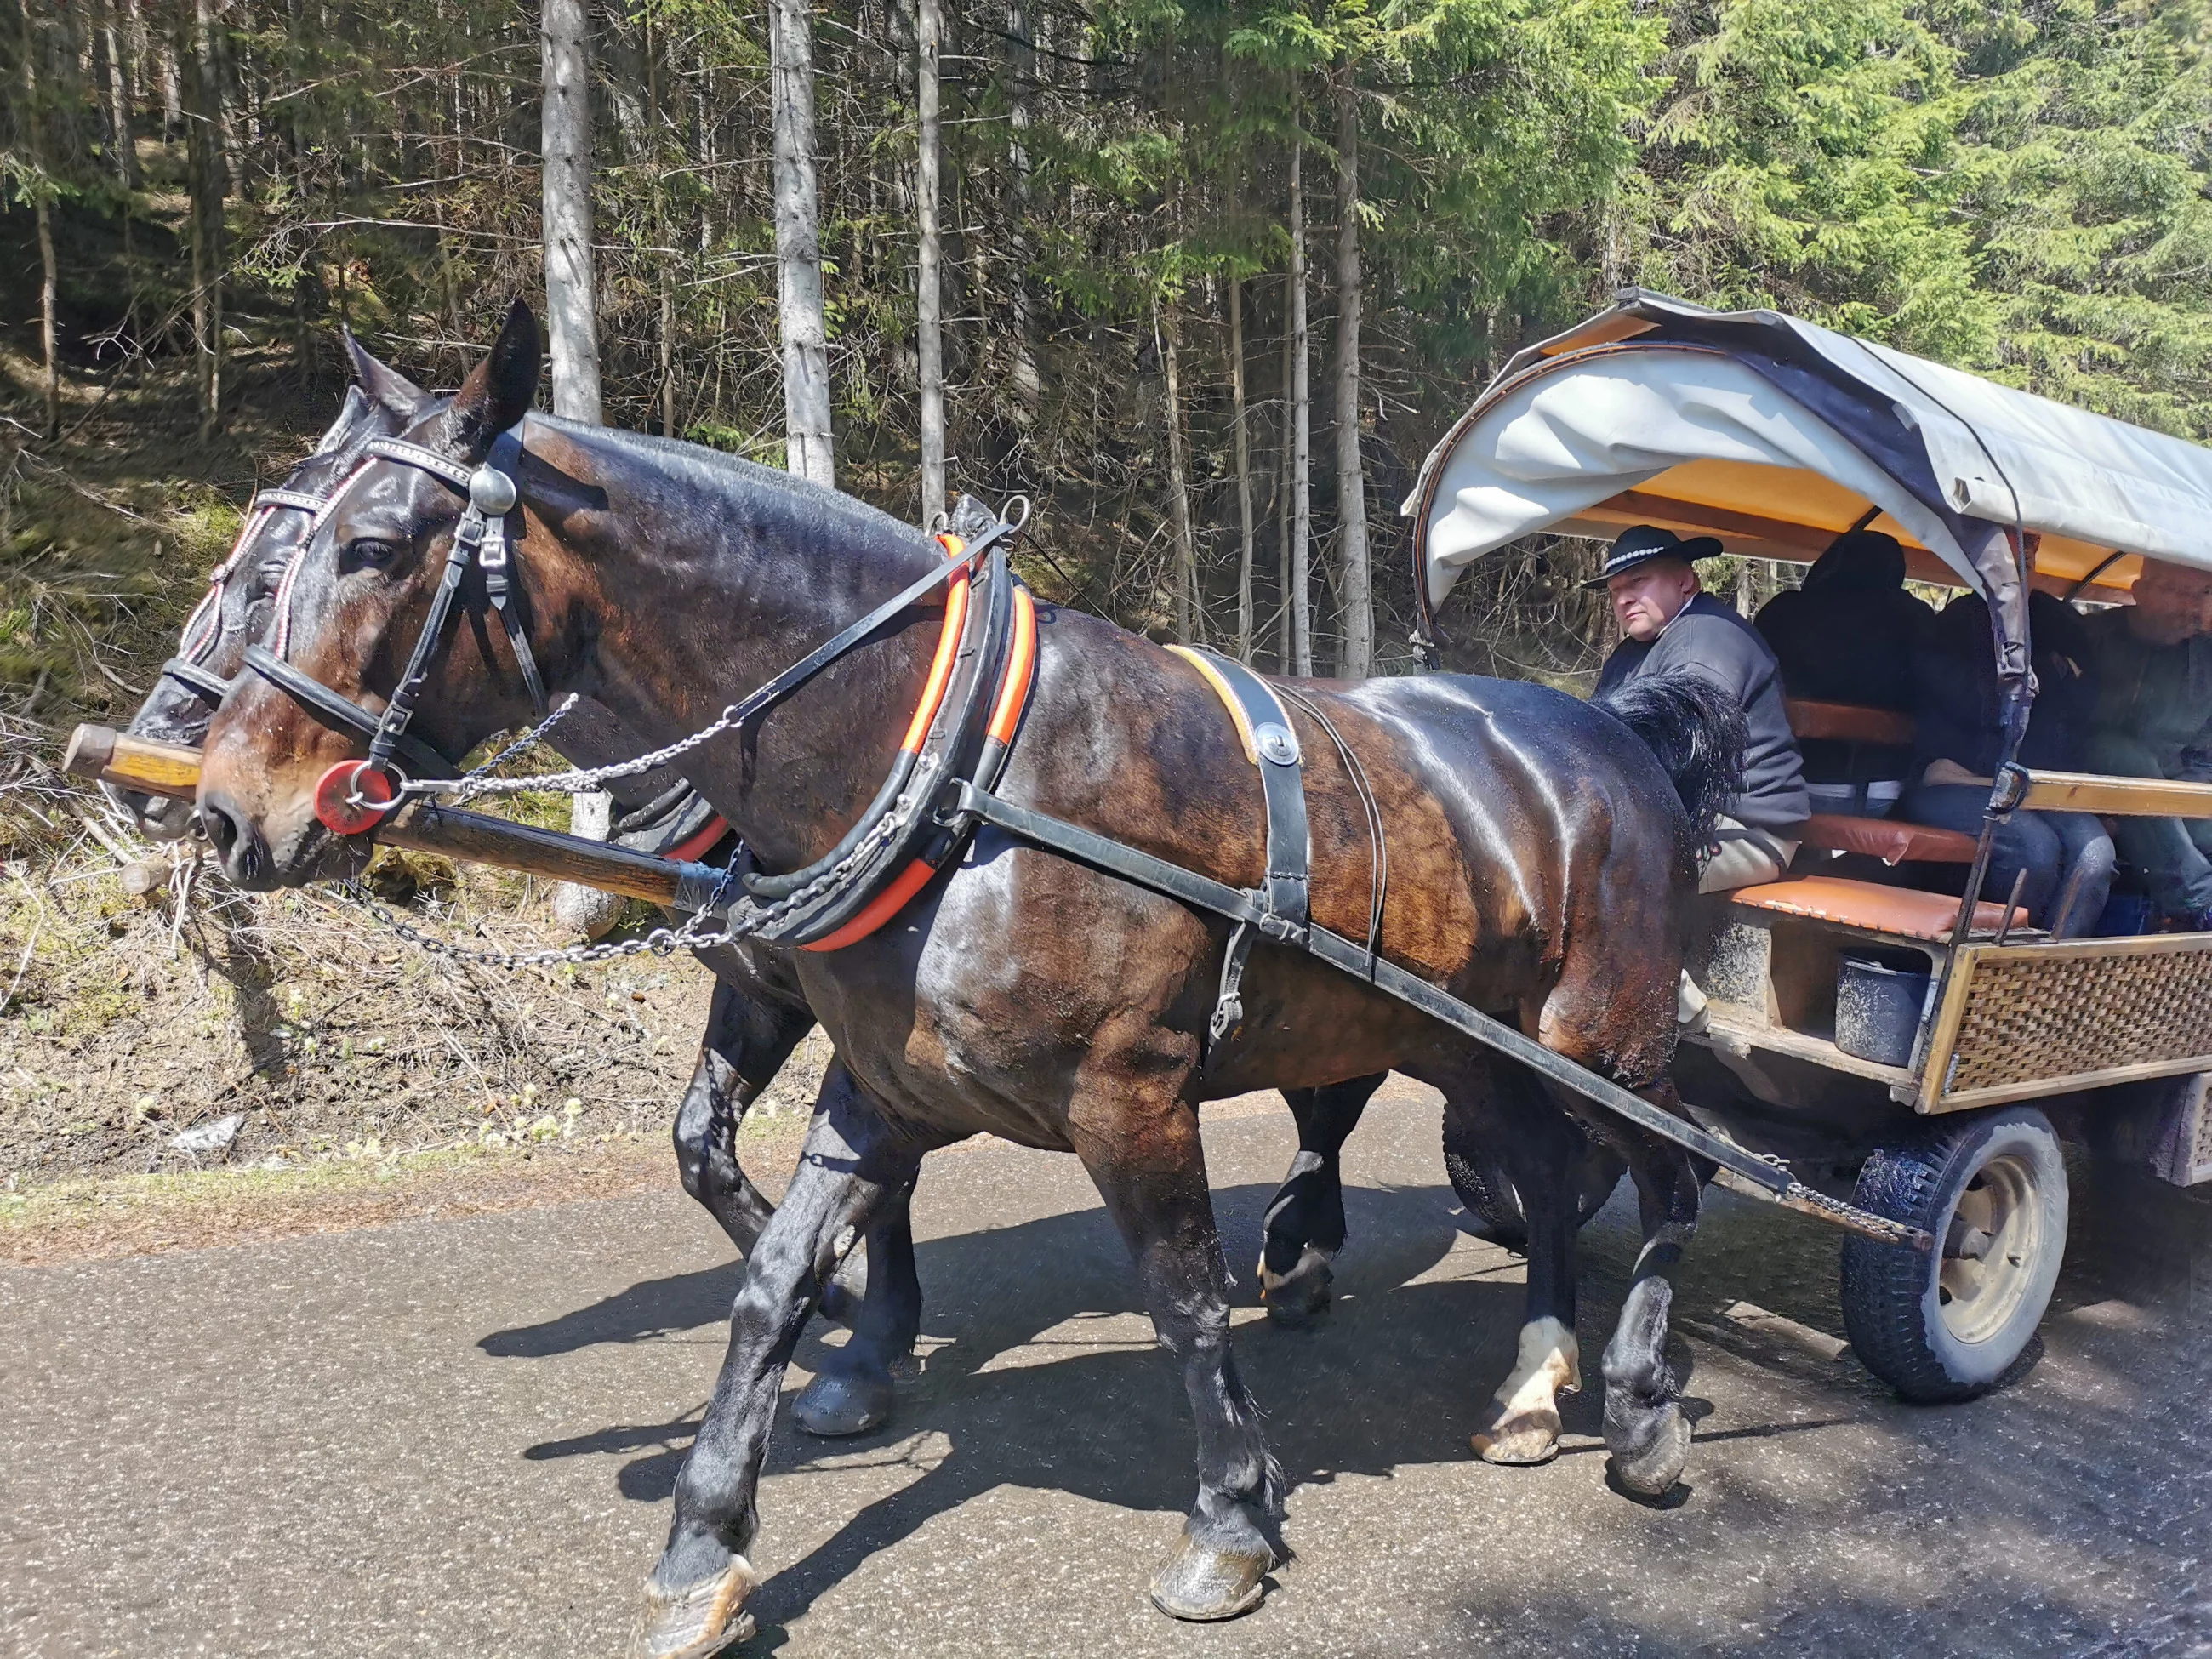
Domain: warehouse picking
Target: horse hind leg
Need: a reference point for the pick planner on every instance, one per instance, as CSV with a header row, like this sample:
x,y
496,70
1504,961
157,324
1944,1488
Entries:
x,y
1645,1429
1305,1219
1499,1110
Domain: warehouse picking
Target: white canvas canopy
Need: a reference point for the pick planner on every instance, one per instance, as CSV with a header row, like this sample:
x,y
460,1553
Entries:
x,y
1776,436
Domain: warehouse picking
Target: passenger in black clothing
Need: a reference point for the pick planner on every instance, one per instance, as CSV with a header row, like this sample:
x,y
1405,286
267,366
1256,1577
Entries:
x,y
1848,636
2067,855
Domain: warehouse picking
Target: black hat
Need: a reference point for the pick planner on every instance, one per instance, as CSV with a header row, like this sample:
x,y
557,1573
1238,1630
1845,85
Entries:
x,y
1647,541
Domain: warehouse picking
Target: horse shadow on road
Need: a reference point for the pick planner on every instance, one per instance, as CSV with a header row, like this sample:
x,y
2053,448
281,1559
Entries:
x,y
1034,1375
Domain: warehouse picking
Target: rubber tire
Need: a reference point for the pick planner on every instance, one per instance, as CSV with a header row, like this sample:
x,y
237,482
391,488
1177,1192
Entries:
x,y
1494,1207
1891,1308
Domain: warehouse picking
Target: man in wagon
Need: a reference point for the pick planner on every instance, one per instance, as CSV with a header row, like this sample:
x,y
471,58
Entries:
x,y
2154,719
1668,620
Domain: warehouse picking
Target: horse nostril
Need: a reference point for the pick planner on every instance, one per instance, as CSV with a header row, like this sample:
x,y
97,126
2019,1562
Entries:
x,y
232,845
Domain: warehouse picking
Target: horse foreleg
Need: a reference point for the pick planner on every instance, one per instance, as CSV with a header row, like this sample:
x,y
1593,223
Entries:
x,y
1305,1219
854,1165
1146,1157
1644,1428
853,1393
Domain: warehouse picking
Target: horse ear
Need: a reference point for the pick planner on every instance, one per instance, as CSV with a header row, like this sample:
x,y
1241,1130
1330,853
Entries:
x,y
386,387
355,413
501,389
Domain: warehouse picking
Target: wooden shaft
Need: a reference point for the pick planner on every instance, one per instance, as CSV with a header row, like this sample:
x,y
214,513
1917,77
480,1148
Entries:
x,y
2079,791
475,838
135,763
162,768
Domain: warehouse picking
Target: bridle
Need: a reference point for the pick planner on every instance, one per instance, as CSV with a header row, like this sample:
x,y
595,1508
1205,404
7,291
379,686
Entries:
x,y
203,628
882,860
479,542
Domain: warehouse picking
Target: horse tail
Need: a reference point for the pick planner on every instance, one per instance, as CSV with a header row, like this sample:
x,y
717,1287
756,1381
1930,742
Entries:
x,y
1696,728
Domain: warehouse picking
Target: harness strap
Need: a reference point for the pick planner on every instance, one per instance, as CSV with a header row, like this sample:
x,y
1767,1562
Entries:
x,y
1772,1181
1272,746
333,710
294,498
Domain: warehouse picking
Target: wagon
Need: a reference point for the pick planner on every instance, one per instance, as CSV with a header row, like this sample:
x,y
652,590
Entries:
x,y
1775,436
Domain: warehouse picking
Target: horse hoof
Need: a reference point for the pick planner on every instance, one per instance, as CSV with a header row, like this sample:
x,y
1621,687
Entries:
x,y
1651,1469
1205,1586
1301,1296
834,1406
706,1618
1519,1438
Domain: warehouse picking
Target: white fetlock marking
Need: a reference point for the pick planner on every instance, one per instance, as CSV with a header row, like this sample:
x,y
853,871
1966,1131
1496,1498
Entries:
x,y
1268,1281
1548,1363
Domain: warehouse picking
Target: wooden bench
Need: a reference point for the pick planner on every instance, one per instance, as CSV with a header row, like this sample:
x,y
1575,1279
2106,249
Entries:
x,y
1871,908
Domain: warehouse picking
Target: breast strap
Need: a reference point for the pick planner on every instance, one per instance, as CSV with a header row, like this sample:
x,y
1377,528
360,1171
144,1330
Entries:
x,y
1270,743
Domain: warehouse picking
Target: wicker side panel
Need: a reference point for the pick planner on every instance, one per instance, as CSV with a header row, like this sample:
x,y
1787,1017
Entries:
x,y
2030,1019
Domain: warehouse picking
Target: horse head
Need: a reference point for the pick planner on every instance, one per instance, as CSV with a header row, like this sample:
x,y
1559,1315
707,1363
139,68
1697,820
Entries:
x,y
378,403
352,610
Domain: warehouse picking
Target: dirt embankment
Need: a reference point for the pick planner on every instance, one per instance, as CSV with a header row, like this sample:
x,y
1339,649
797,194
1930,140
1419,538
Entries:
x,y
294,1040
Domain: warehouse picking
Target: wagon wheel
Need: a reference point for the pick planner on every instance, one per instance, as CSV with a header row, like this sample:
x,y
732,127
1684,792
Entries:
x,y
1494,1207
1948,1326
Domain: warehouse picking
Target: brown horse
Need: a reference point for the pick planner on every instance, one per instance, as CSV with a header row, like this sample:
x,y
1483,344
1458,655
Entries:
x,y
1541,860
758,1014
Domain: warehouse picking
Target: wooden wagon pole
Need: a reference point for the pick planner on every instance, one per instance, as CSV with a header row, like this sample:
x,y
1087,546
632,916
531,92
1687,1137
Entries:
x,y
161,768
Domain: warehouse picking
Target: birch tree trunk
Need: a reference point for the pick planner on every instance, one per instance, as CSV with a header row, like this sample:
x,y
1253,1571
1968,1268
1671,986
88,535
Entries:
x,y
207,176
1301,413
571,318
572,328
1021,51
929,342
1244,448
807,446
32,125
1186,549
1355,597
118,95
1285,518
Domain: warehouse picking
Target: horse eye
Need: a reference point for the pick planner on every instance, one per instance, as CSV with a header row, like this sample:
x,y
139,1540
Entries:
x,y
367,553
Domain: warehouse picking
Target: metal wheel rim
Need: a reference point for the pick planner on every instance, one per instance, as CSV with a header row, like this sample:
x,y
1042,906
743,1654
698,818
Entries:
x,y
1992,1246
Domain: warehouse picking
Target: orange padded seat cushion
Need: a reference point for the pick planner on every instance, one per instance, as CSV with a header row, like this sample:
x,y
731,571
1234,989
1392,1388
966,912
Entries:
x,y
1890,839
1866,904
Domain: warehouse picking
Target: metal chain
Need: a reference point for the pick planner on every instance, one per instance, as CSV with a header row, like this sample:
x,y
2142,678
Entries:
x,y
578,781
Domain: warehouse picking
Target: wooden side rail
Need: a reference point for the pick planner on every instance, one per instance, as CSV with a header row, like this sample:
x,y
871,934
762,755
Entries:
x,y
161,768
2118,797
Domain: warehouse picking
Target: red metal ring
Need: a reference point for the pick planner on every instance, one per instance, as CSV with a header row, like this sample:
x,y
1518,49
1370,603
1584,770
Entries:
x,y
347,797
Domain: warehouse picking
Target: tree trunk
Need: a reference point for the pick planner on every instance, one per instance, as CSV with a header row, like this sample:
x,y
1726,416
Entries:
x,y
1021,53
119,97
207,176
1355,597
807,446
571,321
1301,414
665,260
1243,446
929,342
572,327
32,125
1185,549
1286,526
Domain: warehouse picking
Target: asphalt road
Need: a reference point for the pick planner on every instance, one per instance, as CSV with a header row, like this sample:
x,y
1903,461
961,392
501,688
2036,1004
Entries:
x,y
458,1438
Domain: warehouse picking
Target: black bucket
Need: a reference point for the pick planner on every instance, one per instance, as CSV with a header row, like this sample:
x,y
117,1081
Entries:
x,y
1879,1004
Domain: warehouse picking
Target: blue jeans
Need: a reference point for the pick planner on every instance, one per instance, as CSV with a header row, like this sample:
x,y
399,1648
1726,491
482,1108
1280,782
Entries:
x,y
2170,852
2067,855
